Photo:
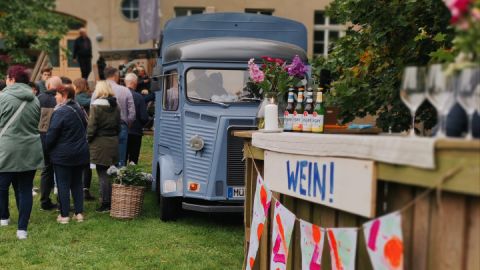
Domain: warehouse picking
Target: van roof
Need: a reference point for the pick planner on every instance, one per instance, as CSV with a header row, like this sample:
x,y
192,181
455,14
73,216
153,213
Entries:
x,y
231,50
246,25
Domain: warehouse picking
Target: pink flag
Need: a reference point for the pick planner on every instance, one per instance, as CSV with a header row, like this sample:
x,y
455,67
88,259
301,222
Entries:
x,y
283,223
312,237
261,204
385,242
343,245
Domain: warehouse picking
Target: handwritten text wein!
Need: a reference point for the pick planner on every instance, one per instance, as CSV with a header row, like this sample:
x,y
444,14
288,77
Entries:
x,y
310,179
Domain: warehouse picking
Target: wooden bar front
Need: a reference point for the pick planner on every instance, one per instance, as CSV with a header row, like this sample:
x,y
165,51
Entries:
x,y
441,231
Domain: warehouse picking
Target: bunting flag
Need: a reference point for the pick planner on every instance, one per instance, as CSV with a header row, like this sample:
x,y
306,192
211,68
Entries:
x,y
385,242
261,204
312,237
283,223
343,245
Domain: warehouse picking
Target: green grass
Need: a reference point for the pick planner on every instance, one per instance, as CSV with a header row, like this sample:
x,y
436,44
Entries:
x,y
195,241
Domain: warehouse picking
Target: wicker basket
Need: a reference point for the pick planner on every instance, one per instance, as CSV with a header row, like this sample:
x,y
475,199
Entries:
x,y
127,201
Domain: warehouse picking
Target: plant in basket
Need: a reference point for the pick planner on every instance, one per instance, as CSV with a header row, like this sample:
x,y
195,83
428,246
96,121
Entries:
x,y
128,190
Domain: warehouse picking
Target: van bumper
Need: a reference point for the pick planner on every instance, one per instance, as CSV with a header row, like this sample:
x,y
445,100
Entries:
x,y
213,208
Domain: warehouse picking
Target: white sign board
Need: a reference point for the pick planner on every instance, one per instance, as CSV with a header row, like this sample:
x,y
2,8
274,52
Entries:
x,y
341,183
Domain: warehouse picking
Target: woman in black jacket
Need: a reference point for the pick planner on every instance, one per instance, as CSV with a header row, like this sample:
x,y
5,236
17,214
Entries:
x,y
68,148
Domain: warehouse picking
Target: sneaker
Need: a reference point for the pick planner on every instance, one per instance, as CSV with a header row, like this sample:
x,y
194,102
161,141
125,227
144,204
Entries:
x,y
78,217
104,208
49,206
21,235
87,196
63,220
4,222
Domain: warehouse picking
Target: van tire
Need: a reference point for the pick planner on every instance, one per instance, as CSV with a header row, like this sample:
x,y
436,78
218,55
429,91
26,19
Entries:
x,y
170,207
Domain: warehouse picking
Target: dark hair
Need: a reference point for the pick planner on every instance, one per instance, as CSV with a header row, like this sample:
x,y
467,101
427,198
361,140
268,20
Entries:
x,y
18,73
66,80
110,72
46,69
2,85
68,91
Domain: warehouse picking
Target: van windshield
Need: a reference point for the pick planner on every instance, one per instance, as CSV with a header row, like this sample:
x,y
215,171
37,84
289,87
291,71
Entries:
x,y
217,85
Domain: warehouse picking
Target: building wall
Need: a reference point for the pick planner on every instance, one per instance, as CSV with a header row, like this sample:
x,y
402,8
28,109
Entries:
x,y
104,17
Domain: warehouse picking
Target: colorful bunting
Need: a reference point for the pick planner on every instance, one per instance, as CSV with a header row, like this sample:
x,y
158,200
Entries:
x,y
311,244
385,242
261,204
283,223
343,244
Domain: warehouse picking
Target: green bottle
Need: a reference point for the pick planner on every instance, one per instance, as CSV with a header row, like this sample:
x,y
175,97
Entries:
x,y
298,111
318,114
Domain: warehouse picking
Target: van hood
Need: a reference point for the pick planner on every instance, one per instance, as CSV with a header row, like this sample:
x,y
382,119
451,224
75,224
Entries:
x,y
20,91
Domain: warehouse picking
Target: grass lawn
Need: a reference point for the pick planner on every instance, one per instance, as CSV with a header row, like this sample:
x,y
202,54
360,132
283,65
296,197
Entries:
x,y
195,241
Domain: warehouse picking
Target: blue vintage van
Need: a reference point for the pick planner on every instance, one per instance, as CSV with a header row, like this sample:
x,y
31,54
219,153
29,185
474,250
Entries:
x,y
200,100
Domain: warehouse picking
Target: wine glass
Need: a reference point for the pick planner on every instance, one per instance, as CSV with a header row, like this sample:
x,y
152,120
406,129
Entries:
x,y
412,91
469,82
440,91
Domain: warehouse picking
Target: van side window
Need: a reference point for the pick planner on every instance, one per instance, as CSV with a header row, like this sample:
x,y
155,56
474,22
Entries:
x,y
170,93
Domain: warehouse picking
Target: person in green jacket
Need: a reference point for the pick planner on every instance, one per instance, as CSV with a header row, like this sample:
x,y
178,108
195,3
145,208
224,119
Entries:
x,y
20,146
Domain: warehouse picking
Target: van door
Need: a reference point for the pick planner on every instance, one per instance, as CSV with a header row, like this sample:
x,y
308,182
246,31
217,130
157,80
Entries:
x,y
171,135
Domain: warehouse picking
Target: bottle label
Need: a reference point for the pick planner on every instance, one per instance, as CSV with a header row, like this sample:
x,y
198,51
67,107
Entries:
x,y
297,121
317,123
307,122
287,121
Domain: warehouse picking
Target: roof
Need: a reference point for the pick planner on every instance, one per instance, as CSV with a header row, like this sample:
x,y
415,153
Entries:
x,y
246,25
231,50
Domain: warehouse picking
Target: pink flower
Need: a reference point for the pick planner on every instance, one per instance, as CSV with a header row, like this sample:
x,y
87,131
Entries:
x,y
457,8
476,14
255,73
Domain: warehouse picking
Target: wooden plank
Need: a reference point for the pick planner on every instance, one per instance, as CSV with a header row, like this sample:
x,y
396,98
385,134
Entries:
x,y
421,226
254,152
328,220
472,260
362,260
398,197
466,181
243,133
457,144
446,240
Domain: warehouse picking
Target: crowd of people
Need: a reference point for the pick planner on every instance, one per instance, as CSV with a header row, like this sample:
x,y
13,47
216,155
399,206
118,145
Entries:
x,y
63,129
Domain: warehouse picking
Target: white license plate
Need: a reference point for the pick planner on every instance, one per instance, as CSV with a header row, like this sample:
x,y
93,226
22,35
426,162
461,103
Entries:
x,y
236,192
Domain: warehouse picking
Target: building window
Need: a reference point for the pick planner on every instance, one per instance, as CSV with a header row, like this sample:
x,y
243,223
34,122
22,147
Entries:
x,y
130,9
259,11
184,11
326,31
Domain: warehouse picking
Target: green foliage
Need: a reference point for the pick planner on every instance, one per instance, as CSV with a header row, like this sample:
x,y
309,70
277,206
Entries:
x,y
29,25
384,37
131,175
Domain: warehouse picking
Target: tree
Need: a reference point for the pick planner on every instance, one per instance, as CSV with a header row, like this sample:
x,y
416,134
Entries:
x,y
383,37
29,25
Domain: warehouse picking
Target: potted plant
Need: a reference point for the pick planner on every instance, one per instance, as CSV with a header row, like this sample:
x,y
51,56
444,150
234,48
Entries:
x,y
128,190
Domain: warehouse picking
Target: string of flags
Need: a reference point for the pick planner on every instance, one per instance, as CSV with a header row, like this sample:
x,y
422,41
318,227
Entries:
x,y
383,236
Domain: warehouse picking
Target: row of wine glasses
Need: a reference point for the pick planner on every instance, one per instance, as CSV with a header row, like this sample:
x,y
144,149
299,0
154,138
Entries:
x,y
442,90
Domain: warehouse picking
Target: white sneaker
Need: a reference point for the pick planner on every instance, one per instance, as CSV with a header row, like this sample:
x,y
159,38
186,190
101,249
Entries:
x,y
63,220
21,234
4,222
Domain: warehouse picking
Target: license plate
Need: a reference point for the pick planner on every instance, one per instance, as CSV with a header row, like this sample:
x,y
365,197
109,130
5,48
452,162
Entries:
x,y
236,192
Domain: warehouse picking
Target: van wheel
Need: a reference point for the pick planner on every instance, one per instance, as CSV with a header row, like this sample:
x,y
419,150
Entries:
x,y
170,207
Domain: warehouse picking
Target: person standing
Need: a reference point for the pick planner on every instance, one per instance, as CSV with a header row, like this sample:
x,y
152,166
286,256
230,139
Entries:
x,y
20,146
67,147
103,129
135,132
41,84
127,110
47,105
83,97
143,81
82,53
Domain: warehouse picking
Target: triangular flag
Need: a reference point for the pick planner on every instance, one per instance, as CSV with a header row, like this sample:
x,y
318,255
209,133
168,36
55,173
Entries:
x,y
384,240
312,237
343,245
261,204
283,223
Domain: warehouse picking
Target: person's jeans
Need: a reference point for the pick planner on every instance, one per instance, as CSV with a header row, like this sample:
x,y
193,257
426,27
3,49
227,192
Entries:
x,y
122,145
105,184
69,178
133,149
47,183
85,64
87,177
22,184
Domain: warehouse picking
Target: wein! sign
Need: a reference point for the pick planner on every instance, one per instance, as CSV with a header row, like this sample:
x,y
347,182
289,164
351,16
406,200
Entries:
x,y
341,183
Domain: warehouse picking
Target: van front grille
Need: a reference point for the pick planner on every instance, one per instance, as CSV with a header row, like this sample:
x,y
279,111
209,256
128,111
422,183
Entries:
x,y
235,163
